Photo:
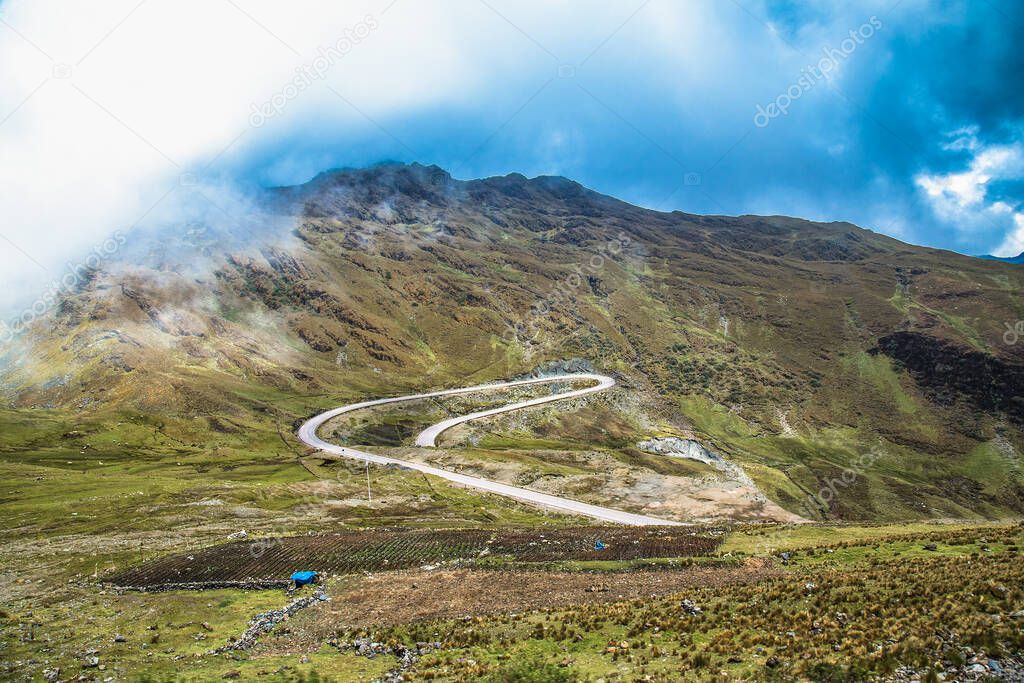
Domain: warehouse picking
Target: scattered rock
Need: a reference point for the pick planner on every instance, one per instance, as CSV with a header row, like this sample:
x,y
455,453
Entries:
x,y
690,608
977,668
998,591
931,546
406,656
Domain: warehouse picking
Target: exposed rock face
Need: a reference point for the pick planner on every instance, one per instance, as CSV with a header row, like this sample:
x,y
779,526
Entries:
x,y
675,447
563,367
681,448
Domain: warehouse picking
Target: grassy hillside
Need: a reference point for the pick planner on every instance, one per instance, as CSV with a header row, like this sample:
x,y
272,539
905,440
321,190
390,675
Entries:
x,y
775,340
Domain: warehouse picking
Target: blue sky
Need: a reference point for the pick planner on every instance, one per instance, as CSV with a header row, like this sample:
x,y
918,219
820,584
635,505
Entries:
x,y
903,116
915,132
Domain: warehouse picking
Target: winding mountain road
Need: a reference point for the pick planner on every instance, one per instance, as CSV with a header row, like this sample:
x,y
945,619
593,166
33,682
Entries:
x,y
308,434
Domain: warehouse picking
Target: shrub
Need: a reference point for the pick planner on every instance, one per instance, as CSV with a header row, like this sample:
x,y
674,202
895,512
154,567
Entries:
x,y
531,670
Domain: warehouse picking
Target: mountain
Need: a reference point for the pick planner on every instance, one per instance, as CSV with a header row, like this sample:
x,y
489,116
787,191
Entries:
x,y
875,378
1019,258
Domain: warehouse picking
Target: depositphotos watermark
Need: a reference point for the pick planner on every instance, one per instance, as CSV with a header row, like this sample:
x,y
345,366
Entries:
x,y
815,73
829,491
307,74
348,473
563,292
74,275
813,504
1014,331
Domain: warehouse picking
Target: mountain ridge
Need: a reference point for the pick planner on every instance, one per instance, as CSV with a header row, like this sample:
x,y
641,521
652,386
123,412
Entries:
x,y
1019,258
435,175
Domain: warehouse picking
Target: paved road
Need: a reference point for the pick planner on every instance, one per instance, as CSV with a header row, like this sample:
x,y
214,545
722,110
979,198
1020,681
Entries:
x,y
429,435
307,433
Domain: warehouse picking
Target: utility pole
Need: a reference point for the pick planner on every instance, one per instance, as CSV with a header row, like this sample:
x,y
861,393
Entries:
x,y
369,497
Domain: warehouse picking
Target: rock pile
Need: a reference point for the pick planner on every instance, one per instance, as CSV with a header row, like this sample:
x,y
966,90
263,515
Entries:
x,y
977,667
266,621
247,584
407,656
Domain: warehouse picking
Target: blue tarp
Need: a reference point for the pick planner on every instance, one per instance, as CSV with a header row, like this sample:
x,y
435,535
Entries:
x,y
302,578
599,545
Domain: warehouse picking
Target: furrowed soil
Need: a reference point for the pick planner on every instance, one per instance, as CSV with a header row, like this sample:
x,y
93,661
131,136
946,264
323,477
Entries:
x,y
271,561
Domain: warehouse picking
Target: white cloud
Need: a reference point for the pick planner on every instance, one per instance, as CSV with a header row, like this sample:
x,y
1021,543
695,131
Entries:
x,y
1014,242
952,193
965,138
962,198
105,105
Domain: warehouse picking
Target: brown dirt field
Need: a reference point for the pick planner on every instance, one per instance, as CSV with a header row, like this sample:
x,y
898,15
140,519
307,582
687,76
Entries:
x,y
274,559
402,597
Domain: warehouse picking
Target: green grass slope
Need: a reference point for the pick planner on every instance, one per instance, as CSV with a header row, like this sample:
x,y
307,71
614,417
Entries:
x,y
770,338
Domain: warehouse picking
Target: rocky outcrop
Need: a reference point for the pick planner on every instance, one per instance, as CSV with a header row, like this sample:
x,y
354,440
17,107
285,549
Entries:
x,y
691,449
176,322
681,448
561,367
